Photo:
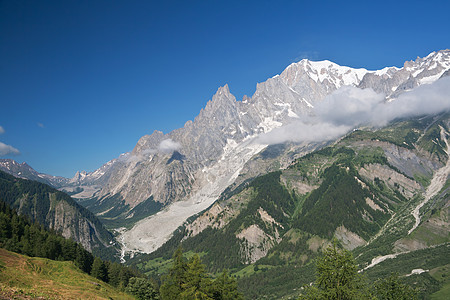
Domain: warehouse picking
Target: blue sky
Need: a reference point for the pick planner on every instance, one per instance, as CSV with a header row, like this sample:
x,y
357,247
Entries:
x,y
82,81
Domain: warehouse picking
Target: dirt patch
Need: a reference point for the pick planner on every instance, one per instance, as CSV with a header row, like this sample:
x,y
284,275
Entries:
x,y
315,243
373,205
256,243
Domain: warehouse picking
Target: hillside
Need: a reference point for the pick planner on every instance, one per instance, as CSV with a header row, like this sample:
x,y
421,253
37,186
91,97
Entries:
x,y
363,191
58,211
23,277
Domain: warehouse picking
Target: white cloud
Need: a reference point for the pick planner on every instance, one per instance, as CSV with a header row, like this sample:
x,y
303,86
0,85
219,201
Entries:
x,y
303,132
350,107
2,130
425,100
7,149
168,146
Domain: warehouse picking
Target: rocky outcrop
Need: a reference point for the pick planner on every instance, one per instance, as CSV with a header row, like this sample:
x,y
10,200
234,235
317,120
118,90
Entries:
x,y
391,178
255,243
349,240
215,217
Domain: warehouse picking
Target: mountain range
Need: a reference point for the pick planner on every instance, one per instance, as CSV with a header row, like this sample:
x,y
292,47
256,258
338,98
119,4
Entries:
x,y
260,186
182,173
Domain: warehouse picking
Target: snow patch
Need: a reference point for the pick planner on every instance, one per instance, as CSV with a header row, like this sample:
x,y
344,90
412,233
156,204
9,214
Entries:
x,y
269,124
292,114
307,103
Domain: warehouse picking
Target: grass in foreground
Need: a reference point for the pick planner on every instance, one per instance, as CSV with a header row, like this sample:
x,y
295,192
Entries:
x,y
23,277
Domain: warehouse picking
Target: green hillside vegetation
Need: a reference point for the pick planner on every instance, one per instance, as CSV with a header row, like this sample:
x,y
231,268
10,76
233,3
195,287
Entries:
x,y
434,261
24,277
59,263
222,247
402,134
41,203
340,200
189,280
432,143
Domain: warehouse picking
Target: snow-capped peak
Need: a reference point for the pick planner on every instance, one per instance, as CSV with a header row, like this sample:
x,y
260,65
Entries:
x,y
321,71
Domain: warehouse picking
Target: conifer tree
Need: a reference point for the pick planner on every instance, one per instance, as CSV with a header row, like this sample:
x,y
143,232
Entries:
x,y
83,259
392,289
141,288
197,284
173,282
114,274
99,270
336,277
225,287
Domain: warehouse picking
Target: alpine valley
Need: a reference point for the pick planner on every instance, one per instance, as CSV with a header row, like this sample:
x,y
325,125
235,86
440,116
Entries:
x,y
260,186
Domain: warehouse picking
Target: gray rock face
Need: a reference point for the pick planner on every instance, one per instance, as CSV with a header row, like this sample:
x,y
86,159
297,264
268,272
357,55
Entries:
x,y
172,167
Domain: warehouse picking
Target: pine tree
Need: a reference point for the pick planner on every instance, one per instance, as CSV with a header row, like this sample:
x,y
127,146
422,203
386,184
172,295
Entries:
x,y
141,288
197,285
336,277
392,289
83,259
99,270
225,287
173,282
114,274
5,227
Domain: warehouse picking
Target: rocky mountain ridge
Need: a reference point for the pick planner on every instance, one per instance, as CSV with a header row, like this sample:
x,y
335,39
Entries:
x,y
276,102
227,128
23,170
83,184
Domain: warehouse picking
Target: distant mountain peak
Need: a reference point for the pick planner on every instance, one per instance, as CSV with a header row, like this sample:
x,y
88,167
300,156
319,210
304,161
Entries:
x,y
24,171
321,71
